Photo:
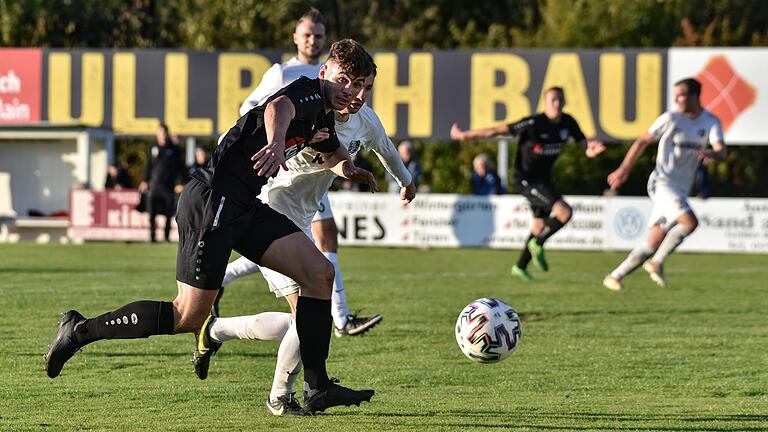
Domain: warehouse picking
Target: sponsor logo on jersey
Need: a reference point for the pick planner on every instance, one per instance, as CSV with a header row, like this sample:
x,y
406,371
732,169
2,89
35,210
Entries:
x,y
688,145
293,146
547,149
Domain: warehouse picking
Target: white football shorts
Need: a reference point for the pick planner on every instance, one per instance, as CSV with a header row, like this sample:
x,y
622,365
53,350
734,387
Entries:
x,y
325,211
668,203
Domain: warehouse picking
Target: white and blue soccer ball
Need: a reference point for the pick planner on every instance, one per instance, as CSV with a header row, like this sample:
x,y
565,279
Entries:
x,y
488,330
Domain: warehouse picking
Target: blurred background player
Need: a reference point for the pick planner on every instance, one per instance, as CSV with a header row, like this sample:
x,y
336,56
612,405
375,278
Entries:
x,y
164,172
683,136
541,138
219,212
309,38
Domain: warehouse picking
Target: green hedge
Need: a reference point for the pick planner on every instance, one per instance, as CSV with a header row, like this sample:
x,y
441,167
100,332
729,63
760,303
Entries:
x,y
447,167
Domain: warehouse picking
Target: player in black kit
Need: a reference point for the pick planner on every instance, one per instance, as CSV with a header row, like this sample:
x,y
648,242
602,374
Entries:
x,y
219,211
541,138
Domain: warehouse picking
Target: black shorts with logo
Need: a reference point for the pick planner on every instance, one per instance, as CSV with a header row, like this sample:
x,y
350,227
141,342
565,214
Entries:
x,y
210,227
541,195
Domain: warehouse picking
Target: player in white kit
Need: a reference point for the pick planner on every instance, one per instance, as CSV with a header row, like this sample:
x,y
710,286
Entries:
x,y
296,193
323,227
683,137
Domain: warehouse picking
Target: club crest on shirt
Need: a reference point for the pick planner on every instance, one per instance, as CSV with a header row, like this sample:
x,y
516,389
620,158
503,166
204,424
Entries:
x,y
563,134
354,147
702,132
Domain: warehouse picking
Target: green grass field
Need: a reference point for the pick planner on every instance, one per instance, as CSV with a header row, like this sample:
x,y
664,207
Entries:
x,y
692,357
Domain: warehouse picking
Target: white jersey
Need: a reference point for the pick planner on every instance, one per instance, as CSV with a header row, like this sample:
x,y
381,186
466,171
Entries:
x,y
277,77
681,138
296,192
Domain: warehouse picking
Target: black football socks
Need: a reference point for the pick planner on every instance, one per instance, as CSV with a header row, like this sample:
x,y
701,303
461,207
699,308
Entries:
x,y
551,226
135,320
525,255
313,324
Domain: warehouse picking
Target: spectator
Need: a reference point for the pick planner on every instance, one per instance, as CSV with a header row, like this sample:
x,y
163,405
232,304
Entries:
x,y
414,167
117,177
201,159
165,167
485,180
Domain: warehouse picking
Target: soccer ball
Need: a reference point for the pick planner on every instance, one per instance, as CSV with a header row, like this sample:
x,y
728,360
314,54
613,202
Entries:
x,y
488,330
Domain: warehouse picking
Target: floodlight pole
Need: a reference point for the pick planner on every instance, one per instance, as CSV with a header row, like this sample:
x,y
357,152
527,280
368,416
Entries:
x,y
502,160
191,144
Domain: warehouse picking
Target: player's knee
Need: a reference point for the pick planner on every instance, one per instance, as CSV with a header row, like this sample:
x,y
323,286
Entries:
x,y
323,278
190,322
326,235
317,280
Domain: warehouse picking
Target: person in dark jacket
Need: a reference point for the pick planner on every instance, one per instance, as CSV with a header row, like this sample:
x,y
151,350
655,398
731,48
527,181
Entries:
x,y
165,169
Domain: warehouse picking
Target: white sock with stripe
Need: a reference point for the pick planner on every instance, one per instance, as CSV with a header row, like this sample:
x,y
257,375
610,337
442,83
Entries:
x,y
339,307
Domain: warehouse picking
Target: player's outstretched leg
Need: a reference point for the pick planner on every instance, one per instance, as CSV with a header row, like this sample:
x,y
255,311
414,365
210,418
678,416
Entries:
x,y
205,347
236,269
139,319
64,345
357,325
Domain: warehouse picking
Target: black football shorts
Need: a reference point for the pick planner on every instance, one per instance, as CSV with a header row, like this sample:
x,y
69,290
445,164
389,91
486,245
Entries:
x,y
210,227
541,195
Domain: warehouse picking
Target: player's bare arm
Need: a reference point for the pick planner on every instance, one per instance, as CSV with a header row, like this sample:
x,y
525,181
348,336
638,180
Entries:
x,y
277,117
340,163
621,174
718,152
592,148
462,135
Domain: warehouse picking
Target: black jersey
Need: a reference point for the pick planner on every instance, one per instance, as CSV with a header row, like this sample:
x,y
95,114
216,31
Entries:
x,y
540,143
230,171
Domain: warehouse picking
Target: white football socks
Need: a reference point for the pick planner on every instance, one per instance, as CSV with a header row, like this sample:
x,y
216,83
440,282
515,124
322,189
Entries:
x,y
633,261
264,326
238,268
288,364
339,308
671,241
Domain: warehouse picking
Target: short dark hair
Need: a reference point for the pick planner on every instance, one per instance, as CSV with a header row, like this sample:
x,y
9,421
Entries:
x,y
692,84
313,15
557,89
352,58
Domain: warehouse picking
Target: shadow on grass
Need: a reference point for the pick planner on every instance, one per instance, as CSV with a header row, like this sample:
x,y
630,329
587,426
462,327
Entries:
x,y
580,421
546,316
105,354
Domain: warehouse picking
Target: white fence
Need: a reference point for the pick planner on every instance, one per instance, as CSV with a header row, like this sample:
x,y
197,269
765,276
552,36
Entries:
x,y
599,223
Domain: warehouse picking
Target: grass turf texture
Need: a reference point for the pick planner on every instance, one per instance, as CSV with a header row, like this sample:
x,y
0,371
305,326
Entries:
x,y
691,357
